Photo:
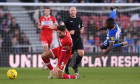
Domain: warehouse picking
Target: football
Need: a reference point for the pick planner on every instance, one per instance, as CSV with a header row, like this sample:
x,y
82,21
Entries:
x,y
12,74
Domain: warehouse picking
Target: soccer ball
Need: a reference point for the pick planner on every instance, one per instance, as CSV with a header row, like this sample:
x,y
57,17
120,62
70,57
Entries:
x,y
12,74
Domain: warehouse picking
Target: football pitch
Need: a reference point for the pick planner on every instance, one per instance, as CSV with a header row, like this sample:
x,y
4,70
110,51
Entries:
x,y
108,75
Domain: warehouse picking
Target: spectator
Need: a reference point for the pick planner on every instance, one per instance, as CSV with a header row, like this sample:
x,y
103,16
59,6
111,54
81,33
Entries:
x,y
1,40
16,34
122,1
58,17
6,44
38,13
15,47
138,47
14,25
3,0
91,40
98,1
5,8
7,31
97,41
90,29
86,45
108,1
130,46
134,25
9,18
65,1
100,35
54,13
1,16
26,41
131,31
136,1
3,26
23,40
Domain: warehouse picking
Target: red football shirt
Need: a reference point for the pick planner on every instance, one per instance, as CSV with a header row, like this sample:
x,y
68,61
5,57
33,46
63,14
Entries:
x,y
46,33
47,21
65,45
63,52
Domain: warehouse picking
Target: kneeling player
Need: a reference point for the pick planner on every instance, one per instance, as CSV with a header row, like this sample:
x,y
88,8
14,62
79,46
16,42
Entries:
x,y
63,53
113,34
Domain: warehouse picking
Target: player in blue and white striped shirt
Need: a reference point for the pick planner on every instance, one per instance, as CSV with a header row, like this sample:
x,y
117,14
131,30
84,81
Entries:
x,y
113,33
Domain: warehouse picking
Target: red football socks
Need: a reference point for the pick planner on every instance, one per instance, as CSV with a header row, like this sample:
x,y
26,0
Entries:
x,y
48,64
66,76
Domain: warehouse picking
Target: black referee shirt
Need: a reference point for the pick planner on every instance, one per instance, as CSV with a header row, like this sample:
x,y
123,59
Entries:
x,y
74,24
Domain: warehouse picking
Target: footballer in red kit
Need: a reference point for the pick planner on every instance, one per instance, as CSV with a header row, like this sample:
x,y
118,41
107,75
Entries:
x,y
48,36
63,53
46,33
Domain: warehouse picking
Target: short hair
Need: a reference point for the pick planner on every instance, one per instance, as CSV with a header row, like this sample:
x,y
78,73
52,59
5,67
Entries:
x,y
46,8
110,23
110,20
61,27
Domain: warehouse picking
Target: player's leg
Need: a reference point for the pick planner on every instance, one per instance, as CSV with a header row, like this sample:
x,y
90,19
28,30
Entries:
x,y
67,76
102,46
67,69
105,44
45,57
52,53
78,60
46,48
67,65
120,44
61,75
45,44
80,51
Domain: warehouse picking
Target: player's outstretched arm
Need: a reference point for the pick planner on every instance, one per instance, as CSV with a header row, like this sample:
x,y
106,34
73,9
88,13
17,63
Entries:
x,y
111,44
113,14
97,28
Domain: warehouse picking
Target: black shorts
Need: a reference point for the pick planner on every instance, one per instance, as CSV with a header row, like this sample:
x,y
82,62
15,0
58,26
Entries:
x,y
77,44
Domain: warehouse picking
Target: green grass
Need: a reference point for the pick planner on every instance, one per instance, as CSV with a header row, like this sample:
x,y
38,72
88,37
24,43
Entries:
x,y
102,75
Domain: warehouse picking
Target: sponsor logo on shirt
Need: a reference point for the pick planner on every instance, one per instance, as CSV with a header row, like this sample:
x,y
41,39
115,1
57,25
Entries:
x,y
112,38
66,47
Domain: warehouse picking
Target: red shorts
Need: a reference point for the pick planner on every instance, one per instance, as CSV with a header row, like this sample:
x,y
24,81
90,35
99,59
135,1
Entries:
x,y
46,40
56,54
49,40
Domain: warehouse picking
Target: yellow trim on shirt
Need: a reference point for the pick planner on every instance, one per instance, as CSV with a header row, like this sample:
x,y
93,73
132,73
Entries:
x,y
111,41
113,28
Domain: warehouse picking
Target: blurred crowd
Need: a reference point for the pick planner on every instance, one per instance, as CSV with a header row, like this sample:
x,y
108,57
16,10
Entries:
x,y
83,1
10,35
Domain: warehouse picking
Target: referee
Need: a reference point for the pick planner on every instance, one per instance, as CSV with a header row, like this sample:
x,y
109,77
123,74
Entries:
x,y
75,26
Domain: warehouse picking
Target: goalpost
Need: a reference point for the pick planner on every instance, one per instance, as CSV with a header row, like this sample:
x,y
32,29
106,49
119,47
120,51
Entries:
x,y
27,16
